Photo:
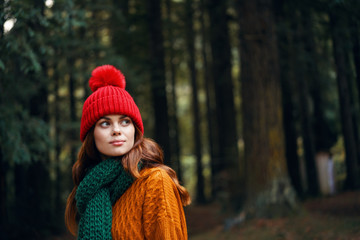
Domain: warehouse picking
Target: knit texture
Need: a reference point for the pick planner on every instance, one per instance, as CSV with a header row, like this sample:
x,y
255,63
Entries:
x,y
150,209
109,97
96,193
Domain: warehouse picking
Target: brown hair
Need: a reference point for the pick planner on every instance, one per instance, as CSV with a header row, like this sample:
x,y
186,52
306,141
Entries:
x,y
144,149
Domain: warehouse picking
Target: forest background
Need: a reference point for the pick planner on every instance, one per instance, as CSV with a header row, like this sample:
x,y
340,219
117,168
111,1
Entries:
x,y
255,102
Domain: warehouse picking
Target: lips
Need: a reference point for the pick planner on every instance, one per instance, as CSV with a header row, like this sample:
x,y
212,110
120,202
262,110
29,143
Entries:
x,y
117,142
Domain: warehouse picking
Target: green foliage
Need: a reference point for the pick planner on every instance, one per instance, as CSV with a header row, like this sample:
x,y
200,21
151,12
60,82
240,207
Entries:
x,y
23,43
13,148
23,138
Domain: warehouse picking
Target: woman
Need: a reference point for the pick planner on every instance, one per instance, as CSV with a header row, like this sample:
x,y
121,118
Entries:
x,y
122,188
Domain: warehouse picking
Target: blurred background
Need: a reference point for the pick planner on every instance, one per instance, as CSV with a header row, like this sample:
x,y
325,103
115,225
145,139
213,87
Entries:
x,y
254,102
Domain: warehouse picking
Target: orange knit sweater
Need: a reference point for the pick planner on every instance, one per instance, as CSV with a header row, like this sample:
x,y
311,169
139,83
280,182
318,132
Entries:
x,y
150,209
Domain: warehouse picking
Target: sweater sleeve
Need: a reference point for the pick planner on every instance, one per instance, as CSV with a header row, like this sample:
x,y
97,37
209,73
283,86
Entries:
x,y
163,214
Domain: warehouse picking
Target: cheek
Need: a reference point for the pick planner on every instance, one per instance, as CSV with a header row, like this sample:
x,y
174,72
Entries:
x,y
132,135
99,136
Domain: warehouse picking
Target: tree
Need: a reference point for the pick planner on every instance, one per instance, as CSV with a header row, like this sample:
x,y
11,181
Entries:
x,y
304,100
70,52
289,94
157,68
190,40
25,133
355,37
174,123
212,130
268,187
225,169
338,26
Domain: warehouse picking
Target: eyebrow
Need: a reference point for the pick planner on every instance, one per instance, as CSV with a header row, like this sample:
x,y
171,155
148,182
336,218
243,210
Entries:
x,y
107,118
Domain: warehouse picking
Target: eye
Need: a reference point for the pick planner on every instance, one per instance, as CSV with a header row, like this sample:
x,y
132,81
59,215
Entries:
x,y
125,121
104,124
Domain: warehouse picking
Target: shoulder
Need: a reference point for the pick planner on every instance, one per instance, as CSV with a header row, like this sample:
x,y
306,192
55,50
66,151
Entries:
x,y
157,180
155,175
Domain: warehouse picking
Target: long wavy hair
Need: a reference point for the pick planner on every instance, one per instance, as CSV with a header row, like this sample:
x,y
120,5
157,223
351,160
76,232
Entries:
x,y
144,149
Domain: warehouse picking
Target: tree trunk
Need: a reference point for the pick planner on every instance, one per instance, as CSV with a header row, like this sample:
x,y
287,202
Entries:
x,y
158,84
343,72
71,86
119,26
227,169
73,139
324,138
292,158
354,31
356,51
3,164
58,201
37,174
288,97
210,105
3,195
37,180
190,39
269,191
302,84
173,113
21,193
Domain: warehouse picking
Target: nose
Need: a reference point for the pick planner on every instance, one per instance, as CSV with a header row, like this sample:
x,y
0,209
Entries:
x,y
116,131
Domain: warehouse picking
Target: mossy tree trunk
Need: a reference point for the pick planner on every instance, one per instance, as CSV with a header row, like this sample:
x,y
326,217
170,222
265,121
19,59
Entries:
x,y
269,190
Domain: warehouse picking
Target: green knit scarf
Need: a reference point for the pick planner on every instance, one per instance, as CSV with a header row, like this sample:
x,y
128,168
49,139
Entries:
x,y
96,194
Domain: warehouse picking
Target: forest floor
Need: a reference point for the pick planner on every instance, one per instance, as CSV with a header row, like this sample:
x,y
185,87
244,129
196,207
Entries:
x,y
327,218
331,218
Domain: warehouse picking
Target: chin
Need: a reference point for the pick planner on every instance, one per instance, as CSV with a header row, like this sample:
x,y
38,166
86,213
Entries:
x,y
114,153
118,154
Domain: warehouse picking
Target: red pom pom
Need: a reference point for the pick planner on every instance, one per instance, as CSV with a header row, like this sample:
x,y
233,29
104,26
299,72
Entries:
x,y
106,75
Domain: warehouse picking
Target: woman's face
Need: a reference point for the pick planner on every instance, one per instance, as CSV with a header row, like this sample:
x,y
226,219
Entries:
x,y
114,135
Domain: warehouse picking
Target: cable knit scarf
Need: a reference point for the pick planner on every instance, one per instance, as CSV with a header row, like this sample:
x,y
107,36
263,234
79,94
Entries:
x,y
96,194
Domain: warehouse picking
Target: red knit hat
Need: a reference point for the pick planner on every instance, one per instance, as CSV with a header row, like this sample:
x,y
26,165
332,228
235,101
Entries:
x,y
108,97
